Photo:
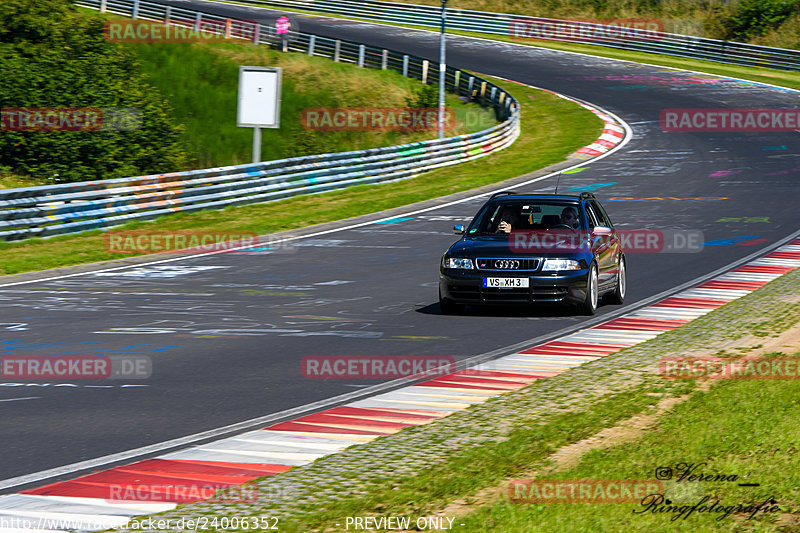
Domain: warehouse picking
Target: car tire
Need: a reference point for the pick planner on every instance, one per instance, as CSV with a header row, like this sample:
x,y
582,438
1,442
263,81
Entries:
x,y
617,296
589,304
448,307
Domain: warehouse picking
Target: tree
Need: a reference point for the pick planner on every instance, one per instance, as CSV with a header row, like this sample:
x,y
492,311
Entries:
x,y
52,56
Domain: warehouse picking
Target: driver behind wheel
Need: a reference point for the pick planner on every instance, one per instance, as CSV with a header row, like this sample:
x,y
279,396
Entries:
x,y
509,219
569,217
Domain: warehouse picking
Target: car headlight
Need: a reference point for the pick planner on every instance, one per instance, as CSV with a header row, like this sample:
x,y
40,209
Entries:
x,y
455,262
561,264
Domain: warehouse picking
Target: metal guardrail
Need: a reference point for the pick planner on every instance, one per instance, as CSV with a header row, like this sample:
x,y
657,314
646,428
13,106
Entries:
x,y
527,29
73,207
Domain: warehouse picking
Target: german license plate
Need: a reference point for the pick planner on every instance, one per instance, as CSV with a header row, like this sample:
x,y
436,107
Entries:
x,y
505,283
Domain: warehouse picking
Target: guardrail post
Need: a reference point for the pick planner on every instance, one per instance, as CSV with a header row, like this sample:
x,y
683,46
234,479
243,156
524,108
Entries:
x,y
493,93
257,33
198,19
135,9
405,66
336,49
425,64
227,28
457,82
361,55
103,6
167,14
312,41
470,85
384,59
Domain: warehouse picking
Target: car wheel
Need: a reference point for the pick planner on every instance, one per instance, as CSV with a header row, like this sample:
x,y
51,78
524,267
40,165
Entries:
x,y
589,304
617,296
448,307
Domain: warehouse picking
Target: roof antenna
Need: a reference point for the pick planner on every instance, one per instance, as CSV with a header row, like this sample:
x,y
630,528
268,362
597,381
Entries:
x,y
557,182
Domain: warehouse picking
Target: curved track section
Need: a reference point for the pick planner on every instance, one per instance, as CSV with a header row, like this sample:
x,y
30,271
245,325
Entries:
x,y
226,332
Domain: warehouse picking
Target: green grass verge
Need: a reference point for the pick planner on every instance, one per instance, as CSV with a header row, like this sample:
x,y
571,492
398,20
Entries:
x,y
552,128
745,429
472,469
761,75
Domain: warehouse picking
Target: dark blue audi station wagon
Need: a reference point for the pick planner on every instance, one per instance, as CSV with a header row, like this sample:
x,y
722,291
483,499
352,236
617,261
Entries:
x,y
531,249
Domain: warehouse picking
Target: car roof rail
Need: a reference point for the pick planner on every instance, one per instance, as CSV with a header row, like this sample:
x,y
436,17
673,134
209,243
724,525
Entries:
x,y
501,193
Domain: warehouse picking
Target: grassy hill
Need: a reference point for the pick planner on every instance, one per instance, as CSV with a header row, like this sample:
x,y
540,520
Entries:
x,y
200,81
765,22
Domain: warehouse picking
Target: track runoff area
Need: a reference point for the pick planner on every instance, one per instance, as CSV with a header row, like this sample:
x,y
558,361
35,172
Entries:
x,y
250,319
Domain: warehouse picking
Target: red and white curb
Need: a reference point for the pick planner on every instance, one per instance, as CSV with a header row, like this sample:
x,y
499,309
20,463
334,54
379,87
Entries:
x,y
613,132
612,135
111,498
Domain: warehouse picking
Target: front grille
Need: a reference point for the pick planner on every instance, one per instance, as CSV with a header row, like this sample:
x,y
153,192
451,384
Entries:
x,y
506,264
548,294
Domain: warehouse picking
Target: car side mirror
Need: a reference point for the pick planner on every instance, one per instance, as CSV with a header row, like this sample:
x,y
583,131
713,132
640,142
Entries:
x,y
601,230
458,229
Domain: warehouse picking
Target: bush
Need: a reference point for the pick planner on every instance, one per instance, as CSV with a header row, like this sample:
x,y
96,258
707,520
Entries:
x,y
425,96
754,18
53,56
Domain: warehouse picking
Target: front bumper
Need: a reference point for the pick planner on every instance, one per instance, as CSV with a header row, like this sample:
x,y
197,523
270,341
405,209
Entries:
x,y
466,287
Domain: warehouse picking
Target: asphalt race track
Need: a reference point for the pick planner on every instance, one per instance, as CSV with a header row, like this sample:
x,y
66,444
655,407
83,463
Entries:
x,y
226,332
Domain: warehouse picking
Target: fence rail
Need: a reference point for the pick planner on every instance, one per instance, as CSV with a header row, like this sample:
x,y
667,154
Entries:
x,y
73,207
527,28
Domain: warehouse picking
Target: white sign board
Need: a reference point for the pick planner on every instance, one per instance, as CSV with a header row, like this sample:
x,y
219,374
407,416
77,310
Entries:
x,y
259,97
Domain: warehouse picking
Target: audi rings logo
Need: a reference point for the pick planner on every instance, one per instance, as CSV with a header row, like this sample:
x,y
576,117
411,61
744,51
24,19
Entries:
x,y
506,264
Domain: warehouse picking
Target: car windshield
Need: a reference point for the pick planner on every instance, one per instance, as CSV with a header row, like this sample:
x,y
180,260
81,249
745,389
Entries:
x,y
526,215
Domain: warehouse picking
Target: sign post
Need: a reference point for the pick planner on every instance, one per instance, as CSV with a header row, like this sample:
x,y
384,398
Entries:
x,y
259,102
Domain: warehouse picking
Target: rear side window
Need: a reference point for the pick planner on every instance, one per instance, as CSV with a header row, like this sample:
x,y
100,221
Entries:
x,y
602,216
592,217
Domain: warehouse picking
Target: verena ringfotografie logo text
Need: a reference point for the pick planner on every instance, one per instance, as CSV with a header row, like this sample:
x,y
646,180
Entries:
x,y
730,120
375,119
70,119
375,367
588,30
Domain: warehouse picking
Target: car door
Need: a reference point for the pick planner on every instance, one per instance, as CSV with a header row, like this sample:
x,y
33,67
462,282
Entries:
x,y
604,246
